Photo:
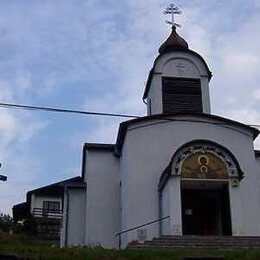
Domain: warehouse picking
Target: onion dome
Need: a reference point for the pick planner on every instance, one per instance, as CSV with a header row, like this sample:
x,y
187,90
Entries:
x,y
174,42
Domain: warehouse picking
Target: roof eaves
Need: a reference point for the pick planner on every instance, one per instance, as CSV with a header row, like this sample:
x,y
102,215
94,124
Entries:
x,y
57,184
99,146
76,185
22,204
124,125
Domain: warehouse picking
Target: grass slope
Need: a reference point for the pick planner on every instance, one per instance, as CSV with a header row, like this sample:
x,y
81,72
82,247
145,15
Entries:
x,y
32,249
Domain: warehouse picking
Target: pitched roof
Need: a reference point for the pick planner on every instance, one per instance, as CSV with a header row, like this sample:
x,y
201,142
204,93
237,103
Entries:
x,y
55,188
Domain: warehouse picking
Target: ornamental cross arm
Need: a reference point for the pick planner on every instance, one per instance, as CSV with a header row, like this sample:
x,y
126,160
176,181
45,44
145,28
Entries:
x,y
172,9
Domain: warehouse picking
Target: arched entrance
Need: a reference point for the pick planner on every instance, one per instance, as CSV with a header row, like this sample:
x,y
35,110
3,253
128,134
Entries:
x,y
206,171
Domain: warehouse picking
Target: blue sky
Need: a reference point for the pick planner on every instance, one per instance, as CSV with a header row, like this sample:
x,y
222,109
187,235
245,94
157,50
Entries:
x,y
96,55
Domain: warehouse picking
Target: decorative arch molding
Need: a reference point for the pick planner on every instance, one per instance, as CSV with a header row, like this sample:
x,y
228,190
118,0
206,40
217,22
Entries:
x,y
188,55
196,156
188,63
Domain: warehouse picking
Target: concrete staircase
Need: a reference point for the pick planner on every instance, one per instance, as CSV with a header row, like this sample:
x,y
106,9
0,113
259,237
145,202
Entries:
x,y
202,242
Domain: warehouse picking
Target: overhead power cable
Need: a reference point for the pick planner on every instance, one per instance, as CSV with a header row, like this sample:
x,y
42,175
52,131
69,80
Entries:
x,y
72,111
62,110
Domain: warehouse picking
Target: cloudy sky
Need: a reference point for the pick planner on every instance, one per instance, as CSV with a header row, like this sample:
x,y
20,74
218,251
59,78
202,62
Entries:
x,y
96,55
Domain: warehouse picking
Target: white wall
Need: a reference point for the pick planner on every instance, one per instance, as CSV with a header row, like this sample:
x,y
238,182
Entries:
x,y
168,65
103,198
165,207
147,150
74,221
258,181
245,199
175,207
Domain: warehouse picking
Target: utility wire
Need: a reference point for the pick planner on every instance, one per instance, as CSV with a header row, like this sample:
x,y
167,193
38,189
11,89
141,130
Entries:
x,y
82,112
61,110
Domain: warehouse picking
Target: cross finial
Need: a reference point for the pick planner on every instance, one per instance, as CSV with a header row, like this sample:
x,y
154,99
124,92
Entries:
x,y
172,9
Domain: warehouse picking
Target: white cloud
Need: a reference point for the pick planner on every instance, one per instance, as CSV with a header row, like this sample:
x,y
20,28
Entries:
x,y
6,92
256,3
96,49
256,94
23,80
232,55
17,129
244,63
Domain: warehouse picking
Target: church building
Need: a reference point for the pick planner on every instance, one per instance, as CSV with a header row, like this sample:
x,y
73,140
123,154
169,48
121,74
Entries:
x,y
180,168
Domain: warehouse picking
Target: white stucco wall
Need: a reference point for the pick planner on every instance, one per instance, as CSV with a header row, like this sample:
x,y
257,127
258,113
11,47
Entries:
x,y
147,150
175,206
74,218
178,64
103,198
258,179
165,207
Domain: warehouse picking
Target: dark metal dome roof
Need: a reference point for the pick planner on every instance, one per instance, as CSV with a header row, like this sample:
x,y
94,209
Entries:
x,y
173,42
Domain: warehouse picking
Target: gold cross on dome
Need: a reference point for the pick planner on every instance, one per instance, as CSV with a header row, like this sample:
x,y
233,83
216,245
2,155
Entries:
x,y
172,9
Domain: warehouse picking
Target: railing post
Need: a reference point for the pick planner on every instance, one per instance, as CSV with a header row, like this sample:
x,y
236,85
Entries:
x,y
119,241
135,228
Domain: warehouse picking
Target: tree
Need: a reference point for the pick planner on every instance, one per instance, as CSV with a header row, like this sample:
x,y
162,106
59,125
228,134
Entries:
x,y
6,222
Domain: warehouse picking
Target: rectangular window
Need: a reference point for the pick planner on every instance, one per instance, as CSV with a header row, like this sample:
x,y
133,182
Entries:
x,y
181,95
50,206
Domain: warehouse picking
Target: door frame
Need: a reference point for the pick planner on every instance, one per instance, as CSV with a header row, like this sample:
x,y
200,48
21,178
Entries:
x,y
221,186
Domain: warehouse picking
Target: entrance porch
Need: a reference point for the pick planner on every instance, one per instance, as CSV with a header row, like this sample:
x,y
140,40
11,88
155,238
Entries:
x,y
200,191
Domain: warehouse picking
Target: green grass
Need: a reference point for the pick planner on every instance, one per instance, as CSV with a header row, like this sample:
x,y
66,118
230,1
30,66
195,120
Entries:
x,y
32,249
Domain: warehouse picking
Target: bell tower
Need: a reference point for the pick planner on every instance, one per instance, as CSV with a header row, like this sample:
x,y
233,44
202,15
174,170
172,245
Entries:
x,y
179,79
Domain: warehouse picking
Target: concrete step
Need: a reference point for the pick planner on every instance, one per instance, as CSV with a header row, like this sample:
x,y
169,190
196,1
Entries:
x,y
193,247
203,242
220,242
210,237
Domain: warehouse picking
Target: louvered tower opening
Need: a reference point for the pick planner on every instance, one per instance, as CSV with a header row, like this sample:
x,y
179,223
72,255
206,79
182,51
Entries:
x,y
181,95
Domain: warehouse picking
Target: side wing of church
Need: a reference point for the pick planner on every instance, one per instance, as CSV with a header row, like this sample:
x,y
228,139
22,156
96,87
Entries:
x,y
195,172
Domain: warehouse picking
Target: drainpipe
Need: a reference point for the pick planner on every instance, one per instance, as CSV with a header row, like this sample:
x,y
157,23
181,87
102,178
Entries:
x,y
160,211
66,217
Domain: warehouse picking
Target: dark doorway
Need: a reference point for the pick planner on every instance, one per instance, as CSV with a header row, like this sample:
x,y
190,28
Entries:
x,y
206,209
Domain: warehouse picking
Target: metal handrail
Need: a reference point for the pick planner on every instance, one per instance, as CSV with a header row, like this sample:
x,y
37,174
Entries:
x,y
137,227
